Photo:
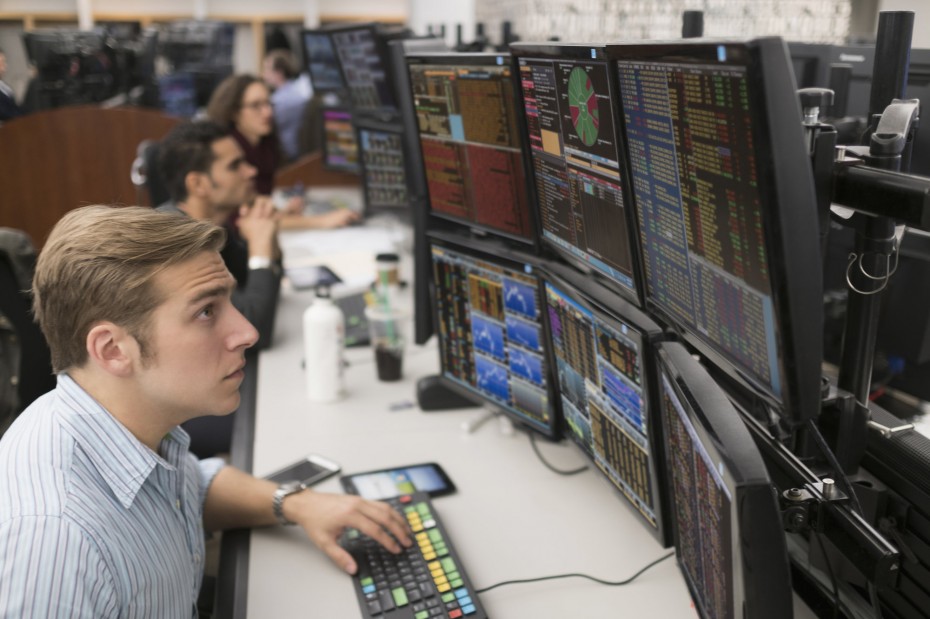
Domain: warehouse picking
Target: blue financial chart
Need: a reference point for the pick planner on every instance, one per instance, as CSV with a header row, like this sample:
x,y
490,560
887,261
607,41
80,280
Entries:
x,y
490,333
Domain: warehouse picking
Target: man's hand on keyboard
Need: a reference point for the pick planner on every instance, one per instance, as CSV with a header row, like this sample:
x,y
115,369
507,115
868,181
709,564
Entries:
x,y
325,516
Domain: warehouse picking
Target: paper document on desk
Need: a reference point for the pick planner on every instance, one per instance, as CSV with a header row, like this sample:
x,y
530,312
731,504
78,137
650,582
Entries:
x,y
297,245
343,197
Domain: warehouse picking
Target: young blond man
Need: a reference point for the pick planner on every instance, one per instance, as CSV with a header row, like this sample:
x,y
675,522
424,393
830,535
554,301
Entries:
x,y
102,508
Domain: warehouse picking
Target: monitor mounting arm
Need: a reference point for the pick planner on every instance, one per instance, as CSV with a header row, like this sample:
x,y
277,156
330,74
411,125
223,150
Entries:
x,y
873,197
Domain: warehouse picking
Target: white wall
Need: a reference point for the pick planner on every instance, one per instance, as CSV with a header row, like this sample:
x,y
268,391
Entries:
x,y
825,21
921,9
143,7
397,9
424,13
38,6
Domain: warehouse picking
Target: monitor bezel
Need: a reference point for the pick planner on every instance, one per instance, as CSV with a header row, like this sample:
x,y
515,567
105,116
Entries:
x,y
385,110
492,59
348,169
609,307
496,252
303,41
361,123
578,52
398,49
791,233
764,581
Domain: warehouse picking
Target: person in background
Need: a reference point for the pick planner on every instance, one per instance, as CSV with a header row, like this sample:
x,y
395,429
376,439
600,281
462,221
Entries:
x,y
290,94
208,179
102,508
9,109
243,104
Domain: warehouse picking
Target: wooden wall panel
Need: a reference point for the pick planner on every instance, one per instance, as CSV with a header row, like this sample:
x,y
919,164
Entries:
x,y
54,161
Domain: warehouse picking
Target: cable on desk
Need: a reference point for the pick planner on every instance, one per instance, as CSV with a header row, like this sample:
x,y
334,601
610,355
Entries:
x,y
574,575
549,466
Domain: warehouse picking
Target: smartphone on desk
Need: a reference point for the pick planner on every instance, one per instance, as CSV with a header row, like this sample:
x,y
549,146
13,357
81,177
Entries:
x,y
310,470
389,483
309,277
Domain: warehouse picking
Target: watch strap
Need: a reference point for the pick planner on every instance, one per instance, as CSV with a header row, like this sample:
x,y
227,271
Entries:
x,y
277,501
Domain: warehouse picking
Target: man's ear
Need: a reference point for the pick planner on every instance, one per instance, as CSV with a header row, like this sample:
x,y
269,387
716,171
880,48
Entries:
x,y
198,184
112,349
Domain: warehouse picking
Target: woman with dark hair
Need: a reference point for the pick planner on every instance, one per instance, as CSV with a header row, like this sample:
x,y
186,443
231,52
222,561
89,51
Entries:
x,y
243,103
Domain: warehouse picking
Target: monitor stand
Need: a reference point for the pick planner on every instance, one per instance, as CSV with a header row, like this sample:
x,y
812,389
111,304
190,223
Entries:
x,y
433,395
504,425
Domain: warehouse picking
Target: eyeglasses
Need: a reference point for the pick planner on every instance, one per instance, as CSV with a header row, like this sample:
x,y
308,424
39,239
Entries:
x,y
257,105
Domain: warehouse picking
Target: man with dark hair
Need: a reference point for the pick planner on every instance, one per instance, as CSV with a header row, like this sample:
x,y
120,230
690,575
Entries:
x,y
102,507
8,107
290,95
208,179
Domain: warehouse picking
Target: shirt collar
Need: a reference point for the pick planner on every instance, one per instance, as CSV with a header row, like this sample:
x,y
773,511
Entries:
x,y
122,460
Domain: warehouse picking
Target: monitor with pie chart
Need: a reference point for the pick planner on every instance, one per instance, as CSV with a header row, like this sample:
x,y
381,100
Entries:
x,y
576,159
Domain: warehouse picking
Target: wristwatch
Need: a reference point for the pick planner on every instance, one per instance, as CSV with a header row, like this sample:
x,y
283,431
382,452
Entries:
x,y
277,503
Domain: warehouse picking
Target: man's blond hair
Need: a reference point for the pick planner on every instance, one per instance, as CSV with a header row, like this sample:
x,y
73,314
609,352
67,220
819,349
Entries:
x,y
98,265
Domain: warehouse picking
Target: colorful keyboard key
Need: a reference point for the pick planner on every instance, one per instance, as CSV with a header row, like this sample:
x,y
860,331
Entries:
x,y
423,582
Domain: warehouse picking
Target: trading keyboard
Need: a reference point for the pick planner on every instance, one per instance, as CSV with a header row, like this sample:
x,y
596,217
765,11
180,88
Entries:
x,y
423,582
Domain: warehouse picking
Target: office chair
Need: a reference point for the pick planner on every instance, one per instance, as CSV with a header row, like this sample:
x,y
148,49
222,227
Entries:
x,y
146,175
35,375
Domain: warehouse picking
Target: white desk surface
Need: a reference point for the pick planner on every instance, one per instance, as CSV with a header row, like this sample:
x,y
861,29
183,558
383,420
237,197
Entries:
x,y
511,518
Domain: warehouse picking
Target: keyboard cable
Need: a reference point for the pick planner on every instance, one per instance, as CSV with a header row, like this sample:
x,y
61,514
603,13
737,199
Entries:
x,y
574,575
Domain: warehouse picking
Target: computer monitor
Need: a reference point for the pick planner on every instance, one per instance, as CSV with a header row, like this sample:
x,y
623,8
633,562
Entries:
x,y
202,48
321,62
383,164
340,148
469,142
177,94
398,50
727,525
724,199
811,64
73,67
567,98
362,57
603,348
489,322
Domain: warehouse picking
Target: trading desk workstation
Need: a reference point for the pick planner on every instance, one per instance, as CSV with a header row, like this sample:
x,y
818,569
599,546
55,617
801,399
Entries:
x,y
511,517
618,246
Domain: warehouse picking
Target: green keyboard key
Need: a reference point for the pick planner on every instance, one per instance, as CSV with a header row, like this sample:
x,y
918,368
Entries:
x,y
435,536
400,596
423,614
448,597
448,565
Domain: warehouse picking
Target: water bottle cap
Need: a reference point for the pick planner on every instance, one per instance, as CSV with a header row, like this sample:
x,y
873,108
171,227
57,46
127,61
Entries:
x,y
322,291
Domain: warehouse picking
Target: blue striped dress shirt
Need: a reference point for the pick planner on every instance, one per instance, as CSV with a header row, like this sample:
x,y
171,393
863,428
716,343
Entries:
x,y
92,522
